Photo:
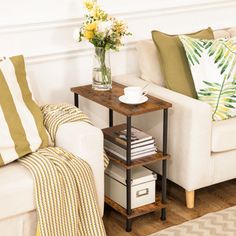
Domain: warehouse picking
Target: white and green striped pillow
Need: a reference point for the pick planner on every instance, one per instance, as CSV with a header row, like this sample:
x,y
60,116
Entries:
x,y
21,121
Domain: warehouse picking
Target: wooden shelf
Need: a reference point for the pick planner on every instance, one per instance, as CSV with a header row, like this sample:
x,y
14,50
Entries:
x,y
139,211
110,99
110,135
138,162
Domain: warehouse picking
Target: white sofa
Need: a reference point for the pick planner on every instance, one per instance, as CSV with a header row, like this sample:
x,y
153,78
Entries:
x,y
202,152
17,205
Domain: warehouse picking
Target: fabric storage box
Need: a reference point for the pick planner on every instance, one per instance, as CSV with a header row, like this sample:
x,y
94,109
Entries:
x,y
143,185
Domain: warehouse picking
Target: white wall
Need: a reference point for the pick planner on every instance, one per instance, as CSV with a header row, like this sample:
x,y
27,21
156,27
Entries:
x,y
42,31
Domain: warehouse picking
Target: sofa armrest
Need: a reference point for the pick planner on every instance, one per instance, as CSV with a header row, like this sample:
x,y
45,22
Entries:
x,y
86,142
189,134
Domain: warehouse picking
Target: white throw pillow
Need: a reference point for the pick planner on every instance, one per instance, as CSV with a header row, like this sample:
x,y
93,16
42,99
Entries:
x,y
213,67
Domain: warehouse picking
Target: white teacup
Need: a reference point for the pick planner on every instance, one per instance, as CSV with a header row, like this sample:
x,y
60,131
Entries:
x,y
134,93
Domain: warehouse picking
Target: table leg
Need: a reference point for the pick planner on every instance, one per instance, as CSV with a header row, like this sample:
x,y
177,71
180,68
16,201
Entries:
x,y
76,100
110,117
163,189
128,225
164,163
128,175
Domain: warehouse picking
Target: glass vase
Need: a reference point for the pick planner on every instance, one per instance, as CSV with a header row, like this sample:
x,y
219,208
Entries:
x,y
101,70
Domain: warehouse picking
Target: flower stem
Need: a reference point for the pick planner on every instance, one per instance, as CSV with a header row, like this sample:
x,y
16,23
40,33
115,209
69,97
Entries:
x,y
101,57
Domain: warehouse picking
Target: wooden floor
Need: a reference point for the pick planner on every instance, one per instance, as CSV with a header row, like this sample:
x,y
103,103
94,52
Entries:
x,y
208,199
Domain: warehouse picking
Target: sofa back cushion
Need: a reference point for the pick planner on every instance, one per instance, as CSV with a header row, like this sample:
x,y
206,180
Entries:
x,y
149,57
232,31
21,120
149,62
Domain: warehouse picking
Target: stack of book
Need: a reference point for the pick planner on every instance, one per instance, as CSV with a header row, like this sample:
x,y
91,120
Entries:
x,y
142,144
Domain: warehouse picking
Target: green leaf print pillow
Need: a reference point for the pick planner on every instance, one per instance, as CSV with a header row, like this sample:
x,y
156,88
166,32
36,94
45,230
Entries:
x,y
213,67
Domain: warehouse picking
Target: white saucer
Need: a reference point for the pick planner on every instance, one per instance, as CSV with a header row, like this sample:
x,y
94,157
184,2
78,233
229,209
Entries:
x,y
125,100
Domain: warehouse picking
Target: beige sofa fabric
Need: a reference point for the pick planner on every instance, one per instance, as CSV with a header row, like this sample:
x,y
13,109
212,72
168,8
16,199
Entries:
x,y
223,135
20,225
15,180
221,34
148,58
232,31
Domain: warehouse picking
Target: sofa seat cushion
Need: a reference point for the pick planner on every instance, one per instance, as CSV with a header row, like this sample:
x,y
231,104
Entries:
x,y
16,191
223,135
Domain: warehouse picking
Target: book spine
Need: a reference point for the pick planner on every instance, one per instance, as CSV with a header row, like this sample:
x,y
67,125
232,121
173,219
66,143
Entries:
x,y
132,158
134,152
121,143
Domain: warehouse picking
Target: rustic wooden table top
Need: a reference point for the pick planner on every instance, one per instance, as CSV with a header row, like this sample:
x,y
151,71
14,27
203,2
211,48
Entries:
x,y
110,99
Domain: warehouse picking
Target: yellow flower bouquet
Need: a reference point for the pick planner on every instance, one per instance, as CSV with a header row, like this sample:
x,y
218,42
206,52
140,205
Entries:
x,y
104,32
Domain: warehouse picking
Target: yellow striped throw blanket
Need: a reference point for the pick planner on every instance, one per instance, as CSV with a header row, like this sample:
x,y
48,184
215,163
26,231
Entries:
x,y
64,185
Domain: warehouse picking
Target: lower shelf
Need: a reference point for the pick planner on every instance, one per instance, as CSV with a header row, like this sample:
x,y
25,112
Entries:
x,y
139,211
138,162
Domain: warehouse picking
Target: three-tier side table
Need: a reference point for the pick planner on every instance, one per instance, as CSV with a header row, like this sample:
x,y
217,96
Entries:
x,y
110,100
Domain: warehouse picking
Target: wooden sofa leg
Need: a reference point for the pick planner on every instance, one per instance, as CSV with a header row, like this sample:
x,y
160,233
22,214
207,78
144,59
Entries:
x,y
189,198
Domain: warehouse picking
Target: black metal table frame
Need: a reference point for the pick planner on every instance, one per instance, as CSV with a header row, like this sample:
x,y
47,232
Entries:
x,y
128,162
